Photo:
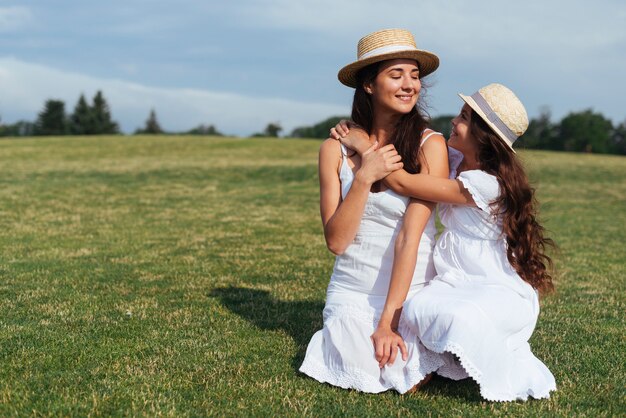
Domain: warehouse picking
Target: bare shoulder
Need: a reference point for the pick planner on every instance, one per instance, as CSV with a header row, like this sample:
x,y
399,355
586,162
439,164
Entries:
x,y
330,147
434,155
330,155
436,143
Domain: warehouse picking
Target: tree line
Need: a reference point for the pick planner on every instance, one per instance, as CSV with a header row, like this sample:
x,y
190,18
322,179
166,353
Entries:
x,y
585,131
86,119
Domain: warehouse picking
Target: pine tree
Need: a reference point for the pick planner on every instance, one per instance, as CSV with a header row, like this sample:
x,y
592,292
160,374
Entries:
x,y
82,121
103,124
152,125
52,119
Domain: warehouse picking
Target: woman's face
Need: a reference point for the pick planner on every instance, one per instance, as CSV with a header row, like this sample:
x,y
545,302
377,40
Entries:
x,y
396,87
460,137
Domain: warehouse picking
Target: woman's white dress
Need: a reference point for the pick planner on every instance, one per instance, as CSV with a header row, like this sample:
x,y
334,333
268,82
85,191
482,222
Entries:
x,y
342,353
478,312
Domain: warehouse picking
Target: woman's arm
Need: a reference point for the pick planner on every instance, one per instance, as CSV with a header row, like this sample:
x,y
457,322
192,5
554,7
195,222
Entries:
x,y
419,186
386,338
341,219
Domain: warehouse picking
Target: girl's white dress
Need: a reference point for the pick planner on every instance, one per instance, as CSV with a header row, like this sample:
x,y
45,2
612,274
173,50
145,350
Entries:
x,y
342,353
477,312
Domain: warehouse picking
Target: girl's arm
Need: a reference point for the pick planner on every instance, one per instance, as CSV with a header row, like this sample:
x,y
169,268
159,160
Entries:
x,y
420,186
431,188
341,219
386,338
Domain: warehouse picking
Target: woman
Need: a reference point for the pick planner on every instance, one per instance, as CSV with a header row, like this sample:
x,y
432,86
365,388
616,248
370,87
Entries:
x,y
482,307
383,241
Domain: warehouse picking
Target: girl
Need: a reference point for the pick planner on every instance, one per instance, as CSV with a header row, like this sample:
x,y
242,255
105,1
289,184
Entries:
x,y
383,241
480,310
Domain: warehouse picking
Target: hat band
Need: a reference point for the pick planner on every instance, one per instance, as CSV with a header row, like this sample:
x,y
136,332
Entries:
x,y
386,49
494,118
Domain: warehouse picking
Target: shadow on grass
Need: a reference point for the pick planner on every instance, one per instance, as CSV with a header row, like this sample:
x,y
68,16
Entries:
x,y
300,319
465,390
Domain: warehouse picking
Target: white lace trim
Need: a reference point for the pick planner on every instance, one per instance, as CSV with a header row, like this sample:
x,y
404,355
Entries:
x,y
420,364
355,378
476,194
484,189
347,379
476,375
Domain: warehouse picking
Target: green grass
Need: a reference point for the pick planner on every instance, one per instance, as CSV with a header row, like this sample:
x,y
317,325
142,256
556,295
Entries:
x,y
184,276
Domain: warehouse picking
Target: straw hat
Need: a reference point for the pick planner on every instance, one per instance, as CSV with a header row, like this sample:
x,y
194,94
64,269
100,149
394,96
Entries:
x,y
387,44
501,109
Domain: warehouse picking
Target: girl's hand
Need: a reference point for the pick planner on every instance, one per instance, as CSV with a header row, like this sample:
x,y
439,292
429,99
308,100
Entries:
x,y
387,342
376,164
341,129
351,135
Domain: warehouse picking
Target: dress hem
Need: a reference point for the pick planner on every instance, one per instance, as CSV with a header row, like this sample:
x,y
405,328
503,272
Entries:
x,y
357,379
476,375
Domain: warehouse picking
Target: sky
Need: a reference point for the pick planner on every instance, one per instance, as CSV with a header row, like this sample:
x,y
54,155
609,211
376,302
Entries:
x,y
240,65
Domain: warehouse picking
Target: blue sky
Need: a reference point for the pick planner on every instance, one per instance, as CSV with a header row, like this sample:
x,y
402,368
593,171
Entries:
x,y
239,65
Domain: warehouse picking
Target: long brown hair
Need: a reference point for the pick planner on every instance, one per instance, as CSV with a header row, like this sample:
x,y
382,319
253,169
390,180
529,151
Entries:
x,y
406,136
526,243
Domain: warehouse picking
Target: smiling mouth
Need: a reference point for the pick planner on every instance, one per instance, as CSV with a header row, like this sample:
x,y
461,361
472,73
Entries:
x,y
405,98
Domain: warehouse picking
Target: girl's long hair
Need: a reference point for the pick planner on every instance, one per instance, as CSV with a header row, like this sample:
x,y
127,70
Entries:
x,y
526,243
407,133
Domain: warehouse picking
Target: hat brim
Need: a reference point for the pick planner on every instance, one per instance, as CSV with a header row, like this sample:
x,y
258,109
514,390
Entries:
x,y
426,61
472,103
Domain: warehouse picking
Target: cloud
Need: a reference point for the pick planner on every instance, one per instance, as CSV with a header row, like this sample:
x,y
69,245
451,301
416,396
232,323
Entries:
x,y
14,17
480,25
25,86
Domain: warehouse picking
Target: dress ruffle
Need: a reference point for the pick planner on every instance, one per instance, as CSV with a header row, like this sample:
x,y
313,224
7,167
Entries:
x,y
342,354
482,186
469,346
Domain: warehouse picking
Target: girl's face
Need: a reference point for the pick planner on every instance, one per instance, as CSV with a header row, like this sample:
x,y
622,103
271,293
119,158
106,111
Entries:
x,y
396,87
461,138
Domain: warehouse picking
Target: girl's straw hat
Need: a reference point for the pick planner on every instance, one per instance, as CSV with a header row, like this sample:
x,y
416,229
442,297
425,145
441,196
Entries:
x,y
384,45
501,109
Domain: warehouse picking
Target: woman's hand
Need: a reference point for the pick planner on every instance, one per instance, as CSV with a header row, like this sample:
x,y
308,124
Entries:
x,y
376,164
386,344
351,135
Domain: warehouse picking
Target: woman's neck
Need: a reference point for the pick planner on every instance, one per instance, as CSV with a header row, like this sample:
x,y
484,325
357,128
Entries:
x,y
383,127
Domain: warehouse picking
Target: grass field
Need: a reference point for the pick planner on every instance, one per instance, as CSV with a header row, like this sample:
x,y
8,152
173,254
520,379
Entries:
x,y
184,276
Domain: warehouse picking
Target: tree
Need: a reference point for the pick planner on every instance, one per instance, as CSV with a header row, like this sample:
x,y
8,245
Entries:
x,y
52,119
442,124
586,131
272,129
19,128
82,120
204,130
152,125
541,133
103,124
320,130
619,139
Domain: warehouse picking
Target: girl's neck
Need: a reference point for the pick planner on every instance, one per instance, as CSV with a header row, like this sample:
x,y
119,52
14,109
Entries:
x,y
469,163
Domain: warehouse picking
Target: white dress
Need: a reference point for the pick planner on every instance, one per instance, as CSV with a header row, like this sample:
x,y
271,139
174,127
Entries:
x,y
478,308
342,353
